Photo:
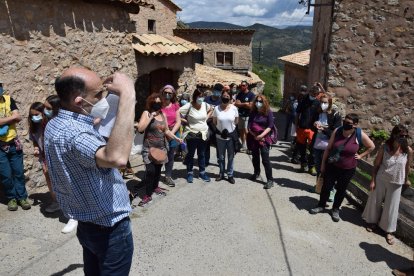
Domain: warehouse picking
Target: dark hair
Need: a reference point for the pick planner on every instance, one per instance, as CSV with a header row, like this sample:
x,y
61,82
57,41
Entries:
x,y
352,116
232,84
151,99
266,106
54,101
395,133
68,88
196,94
226,92
38,106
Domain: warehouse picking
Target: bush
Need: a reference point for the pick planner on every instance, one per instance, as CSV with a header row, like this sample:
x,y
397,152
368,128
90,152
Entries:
x,y
271,76
380,135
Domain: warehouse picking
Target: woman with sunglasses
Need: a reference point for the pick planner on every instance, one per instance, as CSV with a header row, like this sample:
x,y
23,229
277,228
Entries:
x,y
258,138
225,117
391,169
170,110
340,160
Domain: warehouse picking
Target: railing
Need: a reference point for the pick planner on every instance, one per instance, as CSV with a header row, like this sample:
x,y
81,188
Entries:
x,y
358,193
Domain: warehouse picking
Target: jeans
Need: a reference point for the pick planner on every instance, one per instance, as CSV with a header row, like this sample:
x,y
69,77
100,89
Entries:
x,y
152,177
106,250
341,177
12,173
169,165
264,152
222,146
193,145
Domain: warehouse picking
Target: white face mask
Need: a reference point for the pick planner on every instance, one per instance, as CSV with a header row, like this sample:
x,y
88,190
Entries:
x,y
259,105
100,109
324,106
200,100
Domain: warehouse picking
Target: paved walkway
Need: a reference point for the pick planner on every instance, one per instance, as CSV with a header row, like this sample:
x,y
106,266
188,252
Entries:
x,y
214,229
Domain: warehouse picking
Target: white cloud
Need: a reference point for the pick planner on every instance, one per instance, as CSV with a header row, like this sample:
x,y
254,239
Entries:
x,y
245,12
249,10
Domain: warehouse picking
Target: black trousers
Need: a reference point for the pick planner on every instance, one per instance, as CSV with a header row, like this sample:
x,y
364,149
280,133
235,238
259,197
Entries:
x,y
338,178
264,152
152,177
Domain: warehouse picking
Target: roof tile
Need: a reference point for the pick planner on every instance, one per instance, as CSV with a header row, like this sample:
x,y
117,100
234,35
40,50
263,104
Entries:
x,y
153,44
299,58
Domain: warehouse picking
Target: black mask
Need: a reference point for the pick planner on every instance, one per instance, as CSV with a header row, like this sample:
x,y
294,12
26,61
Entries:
x,y
225,100
348,126
156,106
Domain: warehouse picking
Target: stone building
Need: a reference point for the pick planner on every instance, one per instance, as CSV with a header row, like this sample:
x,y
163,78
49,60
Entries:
x,y
363,51
296,70
41,38
225,49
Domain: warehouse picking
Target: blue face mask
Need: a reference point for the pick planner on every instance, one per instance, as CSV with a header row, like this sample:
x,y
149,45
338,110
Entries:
x,y
37,118
216,93
48,113
1,90
200,100
184,102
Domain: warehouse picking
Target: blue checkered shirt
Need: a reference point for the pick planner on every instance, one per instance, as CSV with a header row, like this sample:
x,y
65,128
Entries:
x,y
84,191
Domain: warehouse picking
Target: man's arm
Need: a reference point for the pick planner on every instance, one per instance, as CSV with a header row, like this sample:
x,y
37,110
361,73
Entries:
x,y
116,152
12,119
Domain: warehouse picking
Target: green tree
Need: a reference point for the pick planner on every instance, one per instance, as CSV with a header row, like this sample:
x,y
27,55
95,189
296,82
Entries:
x,y
271,76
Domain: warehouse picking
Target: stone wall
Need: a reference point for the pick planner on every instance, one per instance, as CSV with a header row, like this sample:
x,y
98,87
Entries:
x,y
39,39
372,60
295,76
164,15
226,41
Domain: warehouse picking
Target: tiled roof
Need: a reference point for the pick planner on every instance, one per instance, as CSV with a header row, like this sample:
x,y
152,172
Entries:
x,y
299,58
191,30
174,5
207,76
157,45
142,3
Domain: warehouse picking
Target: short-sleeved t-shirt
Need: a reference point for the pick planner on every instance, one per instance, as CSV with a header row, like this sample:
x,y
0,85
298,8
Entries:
x,y
171,113
245,98
225,119
197,119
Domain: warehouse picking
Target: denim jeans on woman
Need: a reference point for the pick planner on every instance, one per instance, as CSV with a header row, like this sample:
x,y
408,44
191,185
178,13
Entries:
x,y
194,144
264,152
222,147
106,250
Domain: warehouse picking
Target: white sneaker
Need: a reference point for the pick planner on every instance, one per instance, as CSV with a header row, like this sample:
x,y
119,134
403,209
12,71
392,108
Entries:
x,y
70,226
53,207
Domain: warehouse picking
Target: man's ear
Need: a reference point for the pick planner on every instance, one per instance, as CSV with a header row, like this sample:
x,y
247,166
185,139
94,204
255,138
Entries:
x,y
78,101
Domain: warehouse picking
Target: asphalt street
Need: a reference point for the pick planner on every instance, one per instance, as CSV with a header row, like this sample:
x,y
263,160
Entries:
x,y
213,228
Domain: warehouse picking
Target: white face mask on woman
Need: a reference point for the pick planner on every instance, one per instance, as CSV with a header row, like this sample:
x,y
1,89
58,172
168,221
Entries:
x,y
324,106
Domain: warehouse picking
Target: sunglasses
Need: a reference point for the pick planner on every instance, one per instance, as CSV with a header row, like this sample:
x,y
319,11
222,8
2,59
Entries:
x,y
259,101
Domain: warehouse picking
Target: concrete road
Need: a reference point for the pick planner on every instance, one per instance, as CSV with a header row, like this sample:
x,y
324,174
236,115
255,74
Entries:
x,y
214,229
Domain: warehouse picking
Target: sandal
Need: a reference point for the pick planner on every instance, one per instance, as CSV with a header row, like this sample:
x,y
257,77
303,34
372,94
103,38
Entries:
x,y
390,239
371,227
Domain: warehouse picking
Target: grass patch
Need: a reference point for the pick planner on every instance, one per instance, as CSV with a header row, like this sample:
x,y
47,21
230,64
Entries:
x,y
271,76
364,173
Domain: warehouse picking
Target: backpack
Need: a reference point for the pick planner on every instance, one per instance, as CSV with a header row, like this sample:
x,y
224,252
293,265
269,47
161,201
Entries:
x,y
358,133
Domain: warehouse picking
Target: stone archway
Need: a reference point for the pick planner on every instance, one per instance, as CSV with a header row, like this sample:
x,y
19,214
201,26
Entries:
x,y
161,77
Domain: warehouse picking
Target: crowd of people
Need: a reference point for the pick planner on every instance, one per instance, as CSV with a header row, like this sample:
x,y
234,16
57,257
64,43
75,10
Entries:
x,y
81,139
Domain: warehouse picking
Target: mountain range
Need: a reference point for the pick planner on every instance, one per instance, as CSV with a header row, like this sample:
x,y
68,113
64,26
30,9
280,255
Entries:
x,y
274,42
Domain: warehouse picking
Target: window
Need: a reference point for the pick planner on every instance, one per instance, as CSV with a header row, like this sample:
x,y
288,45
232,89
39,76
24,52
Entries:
x,y
224,58
151,27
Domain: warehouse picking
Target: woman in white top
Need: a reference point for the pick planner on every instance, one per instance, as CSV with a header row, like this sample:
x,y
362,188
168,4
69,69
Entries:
x,y
390,173
195,133
225,117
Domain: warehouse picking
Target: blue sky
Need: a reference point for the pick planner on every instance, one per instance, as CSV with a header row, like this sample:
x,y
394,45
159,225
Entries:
x,y
245,12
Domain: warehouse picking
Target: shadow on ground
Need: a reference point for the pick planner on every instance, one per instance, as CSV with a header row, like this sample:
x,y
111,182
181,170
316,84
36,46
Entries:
x,y
375,253
304,202
43,200
69,269
351,215
293,184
